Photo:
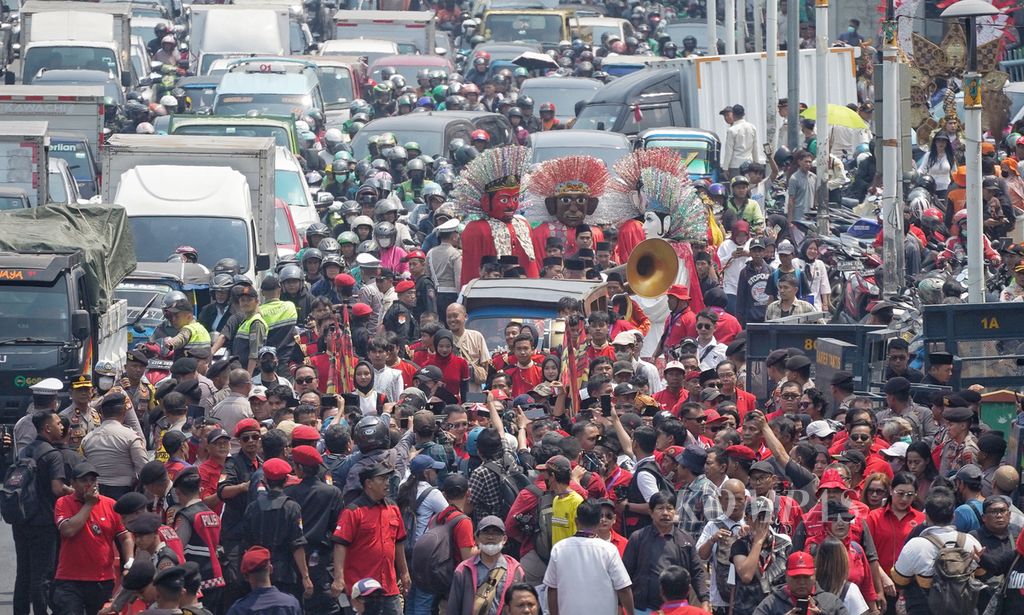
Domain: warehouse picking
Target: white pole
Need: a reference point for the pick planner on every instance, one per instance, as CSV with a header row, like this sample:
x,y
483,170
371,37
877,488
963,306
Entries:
x,y
730,26
712,8
821,121
771,71
758,26
892,210
975,258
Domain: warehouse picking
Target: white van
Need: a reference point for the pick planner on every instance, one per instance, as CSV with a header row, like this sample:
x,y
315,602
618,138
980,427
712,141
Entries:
x,y
290,187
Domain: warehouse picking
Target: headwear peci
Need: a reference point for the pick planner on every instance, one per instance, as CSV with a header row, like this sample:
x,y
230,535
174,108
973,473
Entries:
x,y
492,170
570,175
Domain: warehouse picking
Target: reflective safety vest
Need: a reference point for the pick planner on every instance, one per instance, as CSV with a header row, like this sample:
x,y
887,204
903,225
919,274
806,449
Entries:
x,y
281,318
198,335
240,343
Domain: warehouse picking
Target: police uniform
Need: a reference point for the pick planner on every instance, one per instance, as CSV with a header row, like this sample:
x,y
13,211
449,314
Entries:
x,y
171,579
238,470
24,430
199,530
954,455
274,521
400,320
89,418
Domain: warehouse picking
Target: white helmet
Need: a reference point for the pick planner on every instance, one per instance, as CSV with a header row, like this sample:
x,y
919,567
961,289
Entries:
x,y
145,128
169,101
301,125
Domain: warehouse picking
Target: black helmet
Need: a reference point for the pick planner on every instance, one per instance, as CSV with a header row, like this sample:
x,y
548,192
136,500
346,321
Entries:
x,y
670,46
228,266
290,272
317,228
465,154
515,112
927,182
222,281
312,253
524,101
176,301
782,157
455,144
333,259
370,434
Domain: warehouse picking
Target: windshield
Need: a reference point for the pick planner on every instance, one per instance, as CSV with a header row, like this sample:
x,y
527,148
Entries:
x,y
290,187
266,104
429,141
493,328
35,311
138,295
157,237
76,154
700,165
598,117
564,99
68,58
336,85
200,96
524,27
58,193
12,202
608,155
278,133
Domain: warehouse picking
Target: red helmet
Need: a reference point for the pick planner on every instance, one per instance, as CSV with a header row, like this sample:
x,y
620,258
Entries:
x,y
547,107
933,213
482,54
960,216
480,135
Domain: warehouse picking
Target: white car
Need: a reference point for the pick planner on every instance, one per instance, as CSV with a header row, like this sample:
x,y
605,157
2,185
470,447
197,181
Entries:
x,y
290,187
370,48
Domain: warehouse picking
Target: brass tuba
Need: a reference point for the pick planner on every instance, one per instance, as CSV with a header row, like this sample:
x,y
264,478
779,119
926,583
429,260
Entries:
x,y
652,268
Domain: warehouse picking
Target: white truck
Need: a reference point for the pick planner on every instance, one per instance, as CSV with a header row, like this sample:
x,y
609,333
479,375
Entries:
x,y
407,28
75,109
23,158
226,31
215,194
75,35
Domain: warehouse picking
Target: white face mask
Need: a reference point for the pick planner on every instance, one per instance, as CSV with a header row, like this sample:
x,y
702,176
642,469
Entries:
x,y
492,549
105,383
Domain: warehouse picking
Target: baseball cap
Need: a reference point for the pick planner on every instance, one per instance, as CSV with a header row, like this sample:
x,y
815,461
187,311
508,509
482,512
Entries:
x,y
970,472
365,587
675,365
761,506
800,563
898,449
557,462
422,462
84,469
785,247
430,372
215,435
490,521
414,254
820,429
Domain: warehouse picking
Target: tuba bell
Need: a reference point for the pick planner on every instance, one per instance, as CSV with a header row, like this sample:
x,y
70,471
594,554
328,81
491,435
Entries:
x,y
652,268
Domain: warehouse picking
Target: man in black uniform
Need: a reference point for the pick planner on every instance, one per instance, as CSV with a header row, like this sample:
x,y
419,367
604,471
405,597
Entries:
x,y
321,506
274,521
399,318
426,290
233,491
940,369
898,362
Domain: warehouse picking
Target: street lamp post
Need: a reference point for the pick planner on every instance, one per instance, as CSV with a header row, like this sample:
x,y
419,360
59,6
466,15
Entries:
x,y
821,126
968,11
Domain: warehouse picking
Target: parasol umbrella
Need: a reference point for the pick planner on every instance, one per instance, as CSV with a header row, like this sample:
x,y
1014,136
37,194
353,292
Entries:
x,y
838,115
531,60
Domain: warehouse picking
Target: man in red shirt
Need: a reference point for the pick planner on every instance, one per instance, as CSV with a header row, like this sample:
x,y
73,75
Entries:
x,y
681,322
675,592
368,542
597,344
212,470
88,528
673,394
525,374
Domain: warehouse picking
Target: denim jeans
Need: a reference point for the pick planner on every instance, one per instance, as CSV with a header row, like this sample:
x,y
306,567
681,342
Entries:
x,y
381,605
419,602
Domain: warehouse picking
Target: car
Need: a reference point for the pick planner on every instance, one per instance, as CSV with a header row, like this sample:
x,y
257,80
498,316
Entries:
x,y
285,235
702,144
369,48
433,130
281,129
544,26
65,77
288,88
592,28
502,52
698,29
200,90
408,65
61,183
564,92
610,147
290,187
12,198
74,149
491,303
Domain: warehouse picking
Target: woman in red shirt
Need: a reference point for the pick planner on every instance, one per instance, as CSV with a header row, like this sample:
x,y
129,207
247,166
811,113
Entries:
x,y
454,370
891,524
837,524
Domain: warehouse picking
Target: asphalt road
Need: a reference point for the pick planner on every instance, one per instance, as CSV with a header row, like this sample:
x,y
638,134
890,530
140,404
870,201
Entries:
x,y
7,570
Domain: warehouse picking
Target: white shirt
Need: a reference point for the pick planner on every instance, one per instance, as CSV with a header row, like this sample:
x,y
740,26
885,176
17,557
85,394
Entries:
x,y
586,572
645,481
389,382
710,354
653,376
917,558
710,529
854,601
431,505
740,145
731,274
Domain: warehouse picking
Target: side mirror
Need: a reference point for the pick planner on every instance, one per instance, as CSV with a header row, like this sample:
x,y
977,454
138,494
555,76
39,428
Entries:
x,y
126,79
324,198
262,262
81,325
600,126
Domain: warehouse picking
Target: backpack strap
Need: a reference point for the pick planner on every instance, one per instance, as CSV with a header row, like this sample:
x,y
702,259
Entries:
x,y
422,496
932,538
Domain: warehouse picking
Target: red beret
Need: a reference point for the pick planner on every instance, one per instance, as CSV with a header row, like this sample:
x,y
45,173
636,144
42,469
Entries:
x,y
361,309
305,433
306,456
246,425
255,559
404,285
276,469
344,280
740,452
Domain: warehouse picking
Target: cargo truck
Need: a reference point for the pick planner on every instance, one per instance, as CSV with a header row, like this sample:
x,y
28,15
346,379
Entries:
x,y
59,266
414,28
23,158
189,190
216,34
67,109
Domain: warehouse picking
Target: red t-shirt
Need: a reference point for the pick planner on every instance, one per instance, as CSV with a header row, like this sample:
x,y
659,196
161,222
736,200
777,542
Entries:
x,y
462,532
370,530
669,399
408,371
211,474
454,370
679,327
89,554
524,378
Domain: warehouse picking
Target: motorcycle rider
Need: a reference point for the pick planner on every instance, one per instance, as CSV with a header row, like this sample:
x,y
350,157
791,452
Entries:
x,y
412,188
293,288
956,245
1014,291
216,313
190,334
168,52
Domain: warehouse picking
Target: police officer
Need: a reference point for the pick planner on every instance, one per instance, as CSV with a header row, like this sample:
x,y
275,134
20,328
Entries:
x,y
80,412
399,318
44,397
252,330
190,334
959,446
281,318
199,530
321,506
233,490
274,521
168,583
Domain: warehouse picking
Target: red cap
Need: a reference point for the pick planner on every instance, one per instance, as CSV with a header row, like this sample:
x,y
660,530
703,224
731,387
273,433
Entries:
x,y
344,280
690,375
306,455
361,309
404,286
305,433
679,292
741,452
276,469
255,559
800,563
713,416
414,254
499,394
831,479
246,425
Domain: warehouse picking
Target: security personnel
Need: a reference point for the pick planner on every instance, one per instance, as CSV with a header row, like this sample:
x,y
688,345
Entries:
x,y
233,489
252,331
426,290
281,318
44,397
168,582
80,412
399,318
940,369
321,507
199,530
959,446
274,521
146,526
191,334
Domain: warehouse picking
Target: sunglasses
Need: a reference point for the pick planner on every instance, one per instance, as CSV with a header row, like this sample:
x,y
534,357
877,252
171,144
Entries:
x,y
904,494
702,325
308,380
860,437
608,516
250,438
805,404
790,396
876,491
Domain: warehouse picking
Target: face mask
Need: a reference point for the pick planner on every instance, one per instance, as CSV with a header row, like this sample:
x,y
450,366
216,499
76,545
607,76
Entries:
x,y
341,177
268,366
851,29
105,383
492,549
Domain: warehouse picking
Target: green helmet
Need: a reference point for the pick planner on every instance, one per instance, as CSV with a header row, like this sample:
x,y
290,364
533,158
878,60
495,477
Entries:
x,y
343,156
521,72
413,145
348,237
440,93
406,100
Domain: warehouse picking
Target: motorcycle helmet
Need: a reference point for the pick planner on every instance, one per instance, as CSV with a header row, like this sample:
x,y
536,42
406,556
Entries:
x,y
465,154
329,245
385,233
176,301
222,281
350,208
783,157
314,230
291,272
927,182
480,135
333,259
226,265
385,207
930,290
366,247
370,434
310,254
348,238
716,189
361,221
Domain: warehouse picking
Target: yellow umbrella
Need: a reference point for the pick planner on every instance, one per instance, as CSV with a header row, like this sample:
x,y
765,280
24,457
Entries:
x,y
838,115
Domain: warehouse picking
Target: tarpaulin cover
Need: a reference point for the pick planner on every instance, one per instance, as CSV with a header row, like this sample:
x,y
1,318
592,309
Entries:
x,y
100,232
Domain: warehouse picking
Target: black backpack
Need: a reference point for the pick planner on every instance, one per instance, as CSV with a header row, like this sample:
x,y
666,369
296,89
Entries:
x,y
19,496
409,519
510,483
542,521
433,557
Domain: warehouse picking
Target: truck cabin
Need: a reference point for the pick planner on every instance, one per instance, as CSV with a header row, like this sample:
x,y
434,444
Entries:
x,y
644,99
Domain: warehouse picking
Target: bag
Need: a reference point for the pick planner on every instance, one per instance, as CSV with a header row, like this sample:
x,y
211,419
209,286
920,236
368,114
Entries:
x,y
996,602
542,522
433,557
409,519
510,483
954,589
722,563
19,496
